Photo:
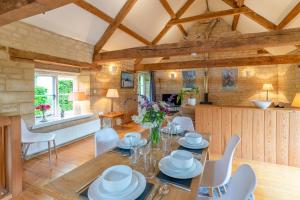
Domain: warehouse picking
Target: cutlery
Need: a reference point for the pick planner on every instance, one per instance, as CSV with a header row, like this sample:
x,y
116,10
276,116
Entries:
x,y
163,190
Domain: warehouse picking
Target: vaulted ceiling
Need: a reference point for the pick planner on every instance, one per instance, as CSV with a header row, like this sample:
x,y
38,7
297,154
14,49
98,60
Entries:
x,y
120,24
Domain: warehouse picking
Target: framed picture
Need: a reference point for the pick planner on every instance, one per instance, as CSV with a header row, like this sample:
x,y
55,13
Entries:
x,y
229,79
189,79
127,79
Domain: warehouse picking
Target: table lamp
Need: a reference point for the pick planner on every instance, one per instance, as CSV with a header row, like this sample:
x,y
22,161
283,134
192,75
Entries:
x,y
267,87
77,98
296,101
112,94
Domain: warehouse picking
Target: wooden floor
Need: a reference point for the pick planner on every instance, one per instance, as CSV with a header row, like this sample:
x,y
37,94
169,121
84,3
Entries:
x,y
273,181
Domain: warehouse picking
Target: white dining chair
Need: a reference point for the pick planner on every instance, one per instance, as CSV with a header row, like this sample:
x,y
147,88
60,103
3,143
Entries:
x,y
186,123
241,186
105,139
217,173
29,138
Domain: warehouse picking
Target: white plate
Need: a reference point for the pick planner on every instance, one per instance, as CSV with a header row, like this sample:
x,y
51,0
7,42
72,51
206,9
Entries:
x,y
166,167
204,143
97,192
121,144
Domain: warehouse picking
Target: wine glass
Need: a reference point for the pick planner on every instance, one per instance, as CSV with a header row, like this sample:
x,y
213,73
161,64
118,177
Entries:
x,y
133,140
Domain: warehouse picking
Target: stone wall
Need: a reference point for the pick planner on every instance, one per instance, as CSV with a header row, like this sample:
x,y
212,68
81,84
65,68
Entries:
x,y
250,78
16,88
288,82
17,78
104,79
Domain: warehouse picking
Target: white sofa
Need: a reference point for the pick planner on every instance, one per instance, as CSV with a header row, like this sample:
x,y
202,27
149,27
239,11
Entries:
x,y
66,135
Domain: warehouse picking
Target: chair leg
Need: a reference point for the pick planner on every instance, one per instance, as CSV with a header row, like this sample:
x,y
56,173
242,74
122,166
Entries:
x,y
219,192
26,147
225,189
49,149
54,146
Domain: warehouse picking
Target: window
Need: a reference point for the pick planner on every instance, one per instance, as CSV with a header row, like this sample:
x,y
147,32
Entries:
x,y
54,89
144,84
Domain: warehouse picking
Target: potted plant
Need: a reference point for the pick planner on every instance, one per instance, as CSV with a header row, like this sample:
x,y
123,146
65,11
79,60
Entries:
x,y
43,108
151,116
190,93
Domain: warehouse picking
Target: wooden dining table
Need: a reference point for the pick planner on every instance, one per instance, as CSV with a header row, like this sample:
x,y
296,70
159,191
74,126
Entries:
x,y
70,185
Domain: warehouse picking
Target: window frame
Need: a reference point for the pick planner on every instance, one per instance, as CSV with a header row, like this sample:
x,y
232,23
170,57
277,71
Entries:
x,y
56,77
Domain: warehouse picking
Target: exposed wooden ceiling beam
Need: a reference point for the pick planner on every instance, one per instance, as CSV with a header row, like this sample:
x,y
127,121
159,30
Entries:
x,y
95,11
168,8
289,17
15,10
113,26
248,41
236,18
17,54
246,61
211,15
179,13
254,16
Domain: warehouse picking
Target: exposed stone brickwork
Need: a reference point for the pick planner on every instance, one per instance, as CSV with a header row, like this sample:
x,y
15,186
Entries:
x,y
250,78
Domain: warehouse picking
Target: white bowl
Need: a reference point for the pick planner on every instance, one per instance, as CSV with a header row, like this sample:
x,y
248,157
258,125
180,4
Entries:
x,y
193,138
128,135
262,104
182,159
116,178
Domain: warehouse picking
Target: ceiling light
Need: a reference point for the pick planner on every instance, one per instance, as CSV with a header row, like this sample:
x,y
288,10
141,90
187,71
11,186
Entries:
x,y
194,54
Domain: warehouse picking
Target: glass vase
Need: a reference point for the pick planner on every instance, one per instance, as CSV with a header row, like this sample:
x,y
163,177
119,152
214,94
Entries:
x,y
155,137
44,117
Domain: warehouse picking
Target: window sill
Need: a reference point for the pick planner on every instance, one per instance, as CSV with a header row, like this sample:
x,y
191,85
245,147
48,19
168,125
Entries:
x,y
57,120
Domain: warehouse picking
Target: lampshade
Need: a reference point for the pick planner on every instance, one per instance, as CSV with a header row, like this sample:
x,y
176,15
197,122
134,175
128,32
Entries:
x,y
112,93
296,101
78,96
267,86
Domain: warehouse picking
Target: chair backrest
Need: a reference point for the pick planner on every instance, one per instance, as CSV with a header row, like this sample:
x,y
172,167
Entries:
x,y
105,139
228,156
186,123
25,133
241,185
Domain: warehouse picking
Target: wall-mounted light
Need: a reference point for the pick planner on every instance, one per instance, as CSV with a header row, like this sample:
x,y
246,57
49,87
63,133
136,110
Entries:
x,y
173,75
113,68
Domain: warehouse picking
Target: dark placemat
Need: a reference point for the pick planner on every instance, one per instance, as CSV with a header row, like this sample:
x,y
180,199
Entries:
x,y
143,196
182,183
122,151
197,151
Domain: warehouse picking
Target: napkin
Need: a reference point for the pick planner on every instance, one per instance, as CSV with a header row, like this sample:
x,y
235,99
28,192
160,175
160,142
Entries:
x,y
122,151
197,151
182,183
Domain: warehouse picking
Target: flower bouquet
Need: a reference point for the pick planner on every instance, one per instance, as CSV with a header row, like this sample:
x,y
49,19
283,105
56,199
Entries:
x,y
43,108
151,116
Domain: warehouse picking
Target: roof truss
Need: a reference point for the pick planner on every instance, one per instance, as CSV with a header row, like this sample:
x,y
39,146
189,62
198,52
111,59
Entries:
x,y
245,61
275,38
114,25
14,10
95,11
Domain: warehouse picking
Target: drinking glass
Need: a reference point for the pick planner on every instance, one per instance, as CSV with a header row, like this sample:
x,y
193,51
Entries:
x,y
166,143
150,166
134,153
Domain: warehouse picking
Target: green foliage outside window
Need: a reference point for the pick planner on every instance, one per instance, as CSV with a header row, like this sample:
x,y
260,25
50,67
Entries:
x,y
65,87
39,98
